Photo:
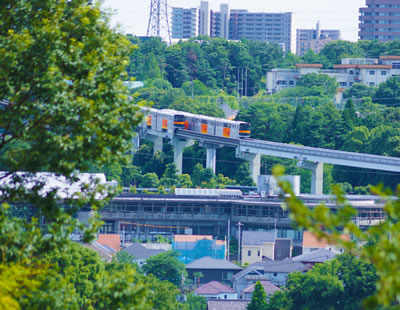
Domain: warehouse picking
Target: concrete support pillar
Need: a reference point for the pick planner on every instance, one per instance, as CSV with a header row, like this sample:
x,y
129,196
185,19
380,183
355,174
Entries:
x,y
179,145
211,159
254,161
135,143
317,176
157,141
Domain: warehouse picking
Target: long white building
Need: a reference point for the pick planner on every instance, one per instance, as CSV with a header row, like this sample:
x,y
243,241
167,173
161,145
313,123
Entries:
x,y
367,71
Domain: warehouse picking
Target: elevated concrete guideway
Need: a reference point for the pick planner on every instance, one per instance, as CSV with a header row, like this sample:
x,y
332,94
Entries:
x,y
249,149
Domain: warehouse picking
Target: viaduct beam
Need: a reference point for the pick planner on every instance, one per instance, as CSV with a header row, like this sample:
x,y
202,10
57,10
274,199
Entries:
x,y
254,161
211,154
317,175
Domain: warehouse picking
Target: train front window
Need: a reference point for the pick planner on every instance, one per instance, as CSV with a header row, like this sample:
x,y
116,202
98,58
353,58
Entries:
x,y
244,129
179,121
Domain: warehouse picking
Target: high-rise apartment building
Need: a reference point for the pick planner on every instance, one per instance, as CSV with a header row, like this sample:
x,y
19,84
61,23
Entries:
x,y
380,20
184,23
204,19
268,27
219,22
314,39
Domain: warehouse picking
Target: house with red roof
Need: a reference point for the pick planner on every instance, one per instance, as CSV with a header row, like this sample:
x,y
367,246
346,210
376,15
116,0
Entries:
x,y
216,290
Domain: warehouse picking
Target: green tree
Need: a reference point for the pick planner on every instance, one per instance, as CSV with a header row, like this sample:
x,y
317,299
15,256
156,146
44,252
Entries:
x,y
150,180
151,70
336,50
196,302
318,84
185,180
359,91
388,92
170,177
242,175
259,298
349,114
166,266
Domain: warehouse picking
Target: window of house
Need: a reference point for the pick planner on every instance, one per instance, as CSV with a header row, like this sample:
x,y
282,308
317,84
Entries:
x,y
372,72
351,71
291,82
227,275
351,83
225,297
275,274
258,253
371,84
343,84
249,253
383,72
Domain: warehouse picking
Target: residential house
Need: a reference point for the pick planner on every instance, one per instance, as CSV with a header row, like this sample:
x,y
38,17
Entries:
x,y
212,270
312,243
192,247
141,253
275,272
269,289
315,257
216,290
261,245
221,304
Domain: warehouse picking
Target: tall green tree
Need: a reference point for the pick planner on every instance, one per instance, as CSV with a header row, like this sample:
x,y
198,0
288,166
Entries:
x,y
388,92
166,266
259,298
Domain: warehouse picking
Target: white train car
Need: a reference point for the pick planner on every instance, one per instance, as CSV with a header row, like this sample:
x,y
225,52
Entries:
x,y
168,120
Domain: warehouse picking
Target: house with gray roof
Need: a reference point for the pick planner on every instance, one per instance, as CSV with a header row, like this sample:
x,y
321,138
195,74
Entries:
x,y
141,253
261,245
315,257
275,272
212,270
221,304
217,290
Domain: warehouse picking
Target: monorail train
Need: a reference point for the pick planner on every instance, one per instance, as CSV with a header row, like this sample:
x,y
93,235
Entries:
x,y
168,120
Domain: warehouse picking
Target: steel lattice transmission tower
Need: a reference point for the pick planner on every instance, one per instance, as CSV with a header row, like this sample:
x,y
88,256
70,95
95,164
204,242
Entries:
x,y
158,20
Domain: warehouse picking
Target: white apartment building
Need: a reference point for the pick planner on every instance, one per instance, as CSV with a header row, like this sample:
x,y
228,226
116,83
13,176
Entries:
x,y
184,23
367,71
204,19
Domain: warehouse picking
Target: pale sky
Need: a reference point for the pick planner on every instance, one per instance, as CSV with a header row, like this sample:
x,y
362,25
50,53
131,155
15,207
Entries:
x,y
133,15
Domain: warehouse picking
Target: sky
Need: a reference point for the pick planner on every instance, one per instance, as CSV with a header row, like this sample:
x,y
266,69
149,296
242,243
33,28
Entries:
x,y
133,15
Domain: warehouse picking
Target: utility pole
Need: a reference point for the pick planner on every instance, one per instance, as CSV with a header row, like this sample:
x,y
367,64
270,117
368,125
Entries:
x,y
245,93
229,237
240,243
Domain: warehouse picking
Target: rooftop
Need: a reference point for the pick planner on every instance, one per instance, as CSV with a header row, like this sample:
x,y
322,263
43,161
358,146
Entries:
x,y
140,252
317,256
111,240
269,288
214,288
211,263
191,238
257,238
220,304
310,240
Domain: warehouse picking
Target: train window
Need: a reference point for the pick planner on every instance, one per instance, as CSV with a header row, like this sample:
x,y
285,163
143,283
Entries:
x,y
228,125
203,121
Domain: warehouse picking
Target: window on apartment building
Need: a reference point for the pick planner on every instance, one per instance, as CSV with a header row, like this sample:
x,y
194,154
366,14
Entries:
x,y
291,83
258,253
351,83
343,84
396,65
249,253
371,84
275,274
351,71
383,72
372,72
